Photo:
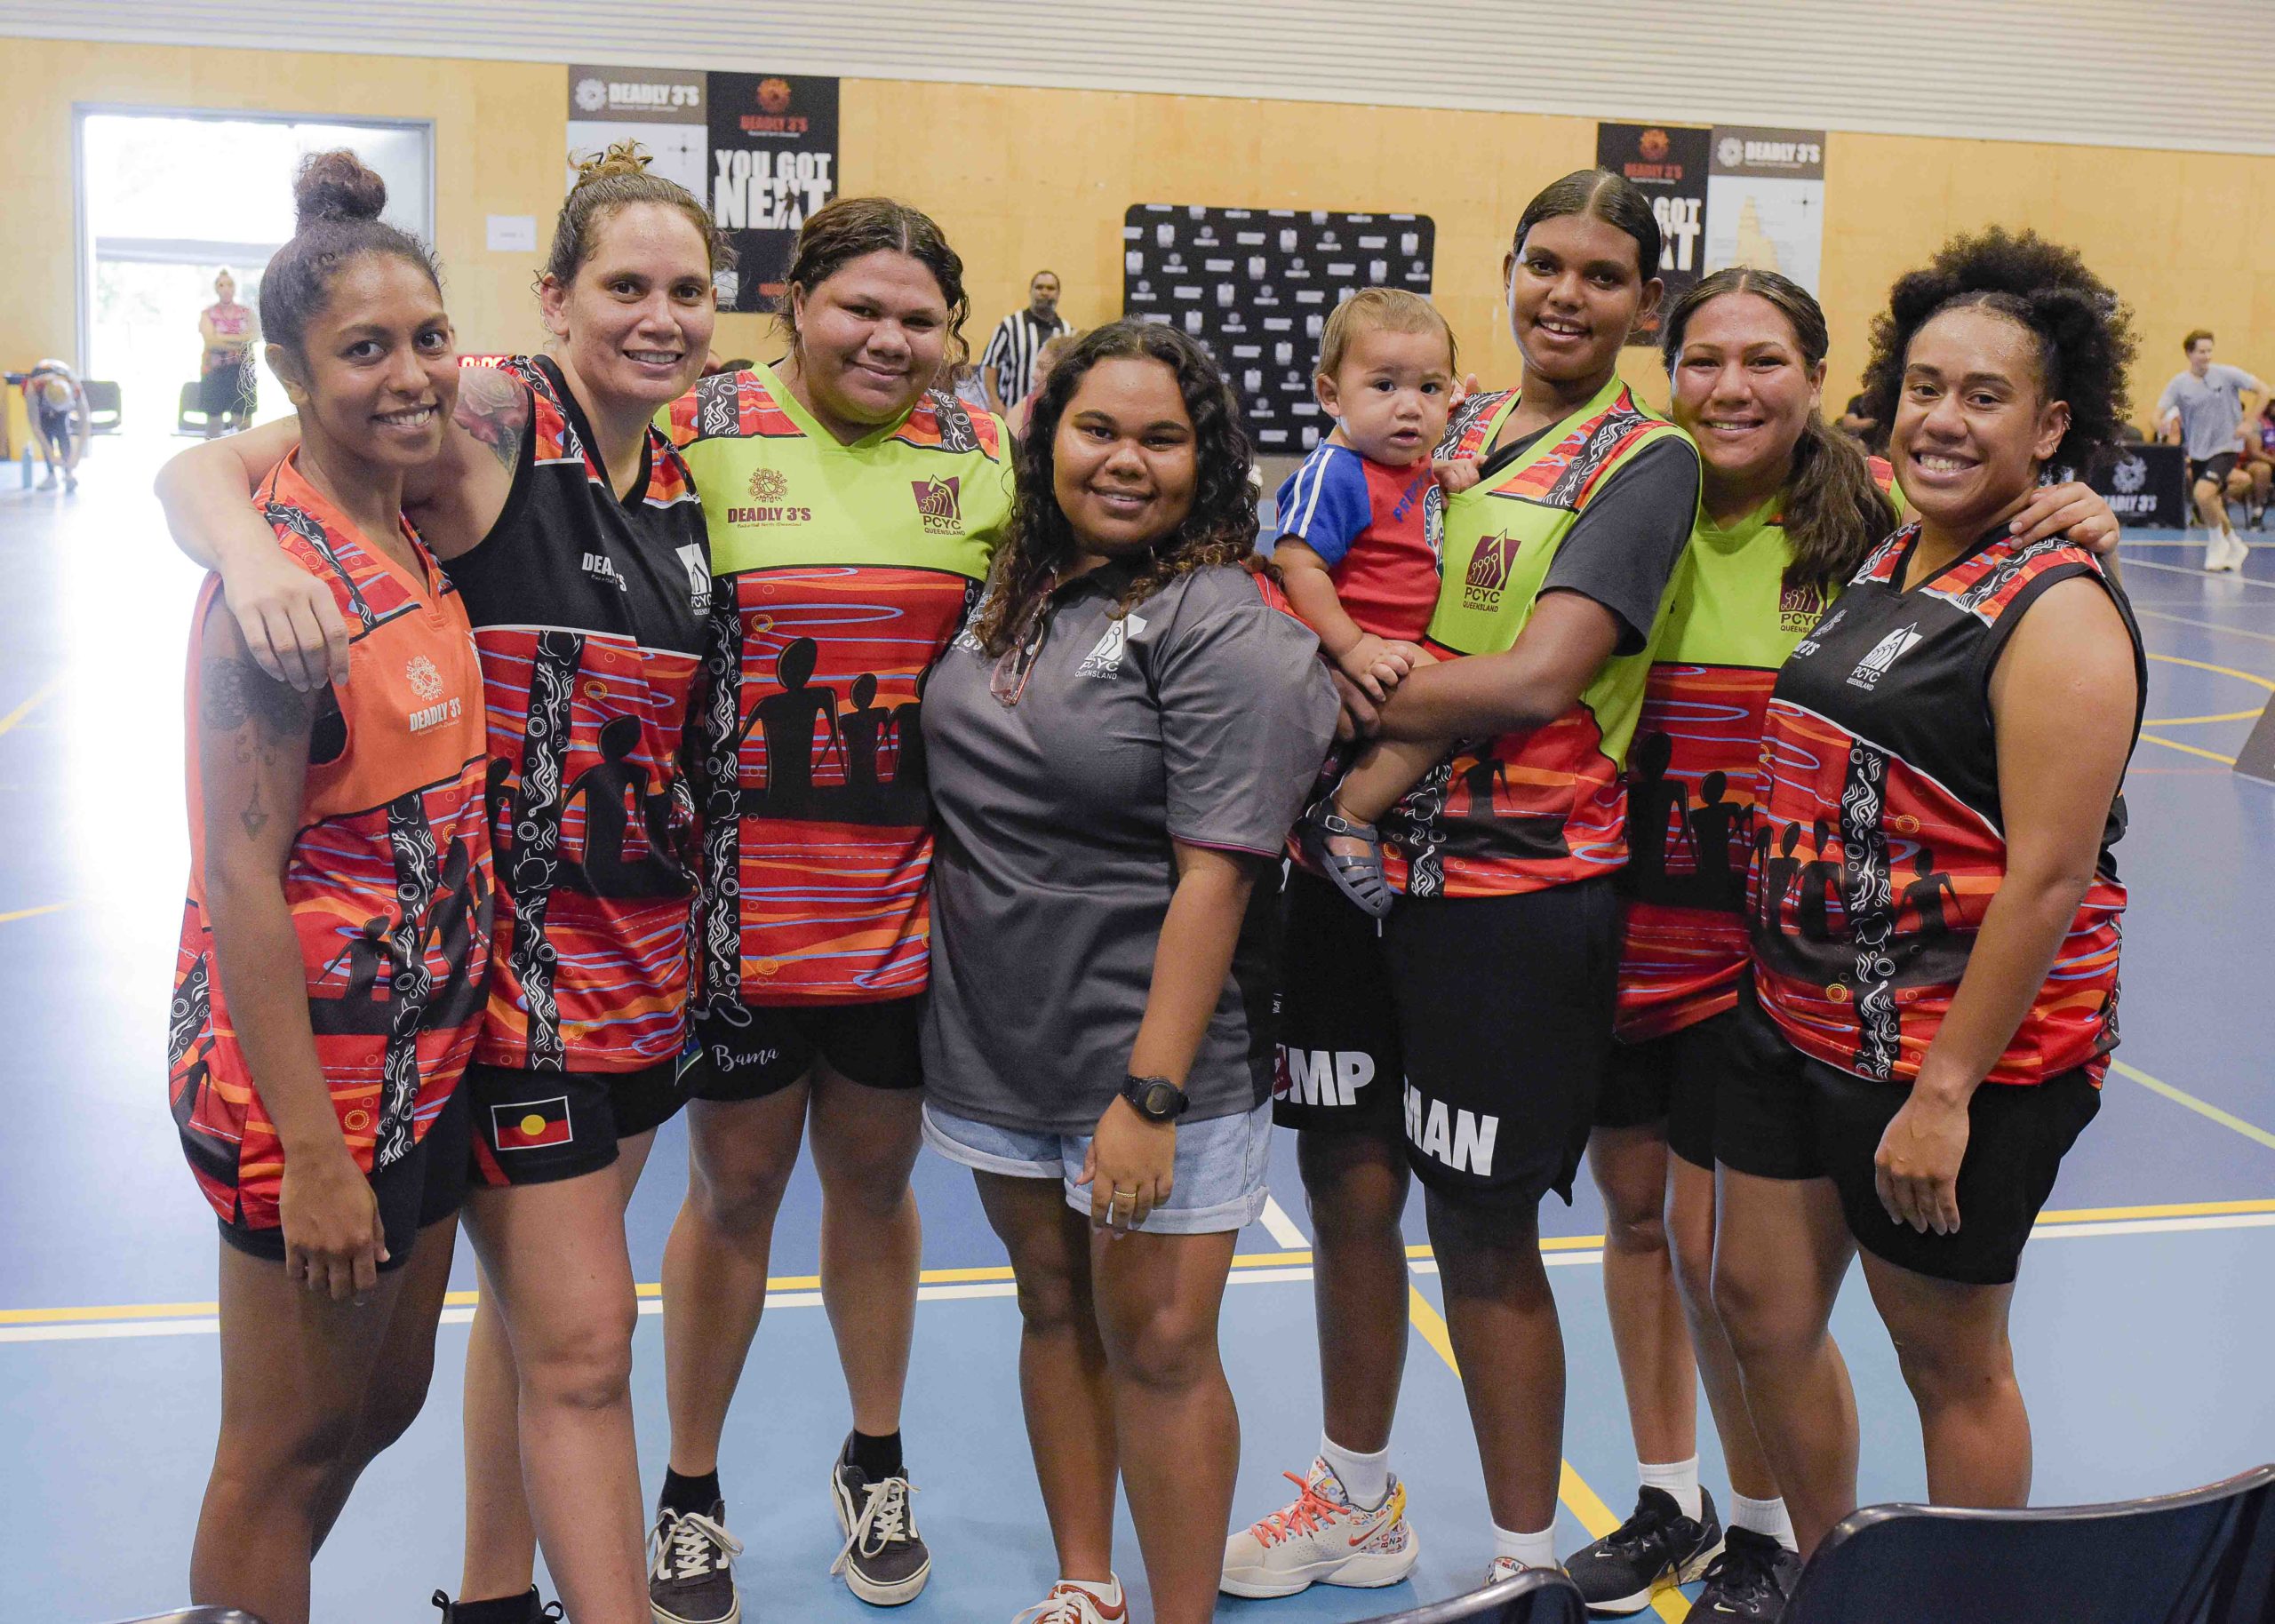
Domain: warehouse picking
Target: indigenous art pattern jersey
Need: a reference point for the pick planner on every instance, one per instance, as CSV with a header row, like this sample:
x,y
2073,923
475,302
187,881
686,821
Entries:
x,y
1882,845
389,880
843,571
1525,811
591,613
1694,771
1378,530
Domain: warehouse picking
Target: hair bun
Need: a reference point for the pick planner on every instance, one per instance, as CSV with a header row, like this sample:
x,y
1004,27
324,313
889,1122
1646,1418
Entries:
x,y
619,158
336,186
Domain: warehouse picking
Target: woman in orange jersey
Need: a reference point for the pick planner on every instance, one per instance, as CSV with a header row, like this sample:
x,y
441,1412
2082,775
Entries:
x,y
572,528
1925,1045
329,980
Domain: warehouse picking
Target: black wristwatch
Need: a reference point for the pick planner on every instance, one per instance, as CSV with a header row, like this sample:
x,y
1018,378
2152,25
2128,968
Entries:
x,y
1154,1098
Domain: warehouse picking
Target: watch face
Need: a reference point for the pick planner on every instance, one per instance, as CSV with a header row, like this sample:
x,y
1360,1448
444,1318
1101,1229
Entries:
x,y
1162,1100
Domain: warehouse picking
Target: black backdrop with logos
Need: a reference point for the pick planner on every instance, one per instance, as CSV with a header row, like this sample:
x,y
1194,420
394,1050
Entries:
x,y
2146,486
1256,286
1669,162
773,163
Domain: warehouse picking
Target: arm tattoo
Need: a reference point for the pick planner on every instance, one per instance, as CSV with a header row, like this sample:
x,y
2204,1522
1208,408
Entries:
x,y
495,410
235,692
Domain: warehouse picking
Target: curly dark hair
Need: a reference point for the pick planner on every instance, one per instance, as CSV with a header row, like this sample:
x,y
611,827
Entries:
x,y
1219,529
2084,333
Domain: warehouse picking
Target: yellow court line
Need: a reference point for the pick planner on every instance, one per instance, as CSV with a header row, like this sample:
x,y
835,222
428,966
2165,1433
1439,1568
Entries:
x,y
2209,755
2202,1107
39,696
1585,1505
2188,721
2225,670
32,913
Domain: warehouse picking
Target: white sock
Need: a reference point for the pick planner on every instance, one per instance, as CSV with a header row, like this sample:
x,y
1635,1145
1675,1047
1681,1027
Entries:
x,y
1535,1550
1365,1478
1678,1478
1764,1516
1109,1593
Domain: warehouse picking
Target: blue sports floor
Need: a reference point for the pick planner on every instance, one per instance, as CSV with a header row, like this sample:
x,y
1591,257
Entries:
x,y
2144,1321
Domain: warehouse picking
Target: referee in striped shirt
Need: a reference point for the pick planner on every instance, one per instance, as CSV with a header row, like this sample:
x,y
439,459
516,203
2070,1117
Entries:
x,y
1008,368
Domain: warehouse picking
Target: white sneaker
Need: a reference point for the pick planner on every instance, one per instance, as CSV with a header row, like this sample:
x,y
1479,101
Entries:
x,y
2238,554
1072,1605
2221,552
1321,1538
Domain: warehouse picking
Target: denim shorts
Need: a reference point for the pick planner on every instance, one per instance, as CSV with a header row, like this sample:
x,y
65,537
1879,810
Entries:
x,y
1218,1182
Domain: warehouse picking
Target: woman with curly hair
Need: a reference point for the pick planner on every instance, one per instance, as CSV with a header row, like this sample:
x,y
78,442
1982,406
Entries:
x,y
1118,745
1918,1054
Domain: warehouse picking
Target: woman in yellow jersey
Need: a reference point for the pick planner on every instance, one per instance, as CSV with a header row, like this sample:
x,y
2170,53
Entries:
x,y
852,517
1787,510
1462,1047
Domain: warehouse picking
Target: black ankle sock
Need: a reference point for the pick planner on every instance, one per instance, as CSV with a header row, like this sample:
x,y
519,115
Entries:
x,y
697,1495
502,1610
876,1457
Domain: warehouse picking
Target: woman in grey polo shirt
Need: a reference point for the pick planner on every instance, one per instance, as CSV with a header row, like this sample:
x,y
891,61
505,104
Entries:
x,y
1117,745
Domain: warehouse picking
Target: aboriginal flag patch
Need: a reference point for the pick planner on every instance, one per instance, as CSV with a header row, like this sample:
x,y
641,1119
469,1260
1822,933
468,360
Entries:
x,y
531,1126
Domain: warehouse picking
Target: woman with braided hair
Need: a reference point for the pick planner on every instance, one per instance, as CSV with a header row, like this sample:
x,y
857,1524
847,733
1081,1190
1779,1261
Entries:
x,y
1909,1073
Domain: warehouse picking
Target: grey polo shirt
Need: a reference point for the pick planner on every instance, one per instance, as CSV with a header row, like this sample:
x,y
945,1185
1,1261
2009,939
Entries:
x,y
2210,407
1202,716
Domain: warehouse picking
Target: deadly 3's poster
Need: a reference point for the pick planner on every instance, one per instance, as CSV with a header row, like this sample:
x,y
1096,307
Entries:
x,y
773,163
1669,162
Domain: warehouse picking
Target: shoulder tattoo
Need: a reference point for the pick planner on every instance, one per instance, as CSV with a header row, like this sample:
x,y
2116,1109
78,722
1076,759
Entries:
x,y
234,692
495,410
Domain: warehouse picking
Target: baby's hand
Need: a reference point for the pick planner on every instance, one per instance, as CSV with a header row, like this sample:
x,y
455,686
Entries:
x,y
1379,665
1456,473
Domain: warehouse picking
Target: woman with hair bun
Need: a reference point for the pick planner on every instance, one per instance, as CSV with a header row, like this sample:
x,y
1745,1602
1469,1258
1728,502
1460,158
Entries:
x,y
1917,1054
329,986
572,527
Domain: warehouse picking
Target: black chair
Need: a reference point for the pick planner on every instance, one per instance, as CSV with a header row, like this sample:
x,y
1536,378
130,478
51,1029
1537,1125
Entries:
x,y
1537,1596
199,1615
103,412
190,417
2205,1556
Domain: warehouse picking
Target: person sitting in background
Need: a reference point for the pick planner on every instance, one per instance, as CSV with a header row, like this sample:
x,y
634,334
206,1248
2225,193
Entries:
x,y
1868,430
228,384
1045,358
2201,409
1007,369
56,401
2258,463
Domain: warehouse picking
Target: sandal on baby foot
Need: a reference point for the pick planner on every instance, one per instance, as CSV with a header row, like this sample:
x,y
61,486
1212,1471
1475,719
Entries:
x,y
1358,878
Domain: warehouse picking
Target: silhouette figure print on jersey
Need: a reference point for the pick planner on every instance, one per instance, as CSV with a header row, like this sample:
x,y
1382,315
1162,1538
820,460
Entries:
x,y
866,727
1777,876
615,790
380,960
1716,885
786,719
1654,798
1924,896
1478,782
1820,883
909,801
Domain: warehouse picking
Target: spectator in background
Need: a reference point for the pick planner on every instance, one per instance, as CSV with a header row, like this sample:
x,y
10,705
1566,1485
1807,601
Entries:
x,y
229,386
2259,463
1871,433
1045,358
56,403
960,378
2201,410
1007,369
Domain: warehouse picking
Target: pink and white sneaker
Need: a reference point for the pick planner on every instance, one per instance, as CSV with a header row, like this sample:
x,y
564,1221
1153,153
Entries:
x,y
1071,1604
1322,1538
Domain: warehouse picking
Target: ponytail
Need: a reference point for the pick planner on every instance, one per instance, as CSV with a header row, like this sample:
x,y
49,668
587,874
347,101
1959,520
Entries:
x,y
1835,511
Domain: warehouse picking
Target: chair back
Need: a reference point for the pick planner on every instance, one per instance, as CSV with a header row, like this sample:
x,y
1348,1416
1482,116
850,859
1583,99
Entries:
x,y
103,402
2205,1557
1537,1596
199,1615
189,416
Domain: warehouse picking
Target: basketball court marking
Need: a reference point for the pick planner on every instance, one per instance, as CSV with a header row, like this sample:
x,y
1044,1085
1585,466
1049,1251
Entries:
x,y
39,696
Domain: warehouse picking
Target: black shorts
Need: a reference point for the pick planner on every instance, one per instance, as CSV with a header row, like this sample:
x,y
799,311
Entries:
x,y
55,424
1670,1079
2213,468
751,1051
1784,1115
537,1128
1504,1010
422,1189
1339,1061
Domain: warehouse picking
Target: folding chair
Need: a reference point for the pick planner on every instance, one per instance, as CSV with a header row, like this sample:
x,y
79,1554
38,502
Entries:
x,y
2205,1557
103,412
1537,1596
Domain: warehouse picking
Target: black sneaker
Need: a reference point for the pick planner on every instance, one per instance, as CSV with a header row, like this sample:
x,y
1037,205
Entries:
x,y
530,1612
1656,1548
693,1578
885,1561
1753,1579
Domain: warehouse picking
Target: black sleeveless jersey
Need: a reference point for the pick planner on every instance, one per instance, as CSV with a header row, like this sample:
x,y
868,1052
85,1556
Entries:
x,y
591,613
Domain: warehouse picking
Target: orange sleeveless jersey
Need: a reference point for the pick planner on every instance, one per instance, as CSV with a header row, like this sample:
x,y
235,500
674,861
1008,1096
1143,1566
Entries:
x,y
388,878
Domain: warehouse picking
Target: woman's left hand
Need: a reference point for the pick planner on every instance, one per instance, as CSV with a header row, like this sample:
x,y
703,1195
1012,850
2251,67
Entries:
x,y
1916,1169
2074,510
1129,1167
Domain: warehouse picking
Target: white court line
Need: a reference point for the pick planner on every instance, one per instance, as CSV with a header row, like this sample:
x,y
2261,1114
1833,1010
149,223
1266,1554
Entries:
x,y
2209,625
965,1290
1281,1226
2241,580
